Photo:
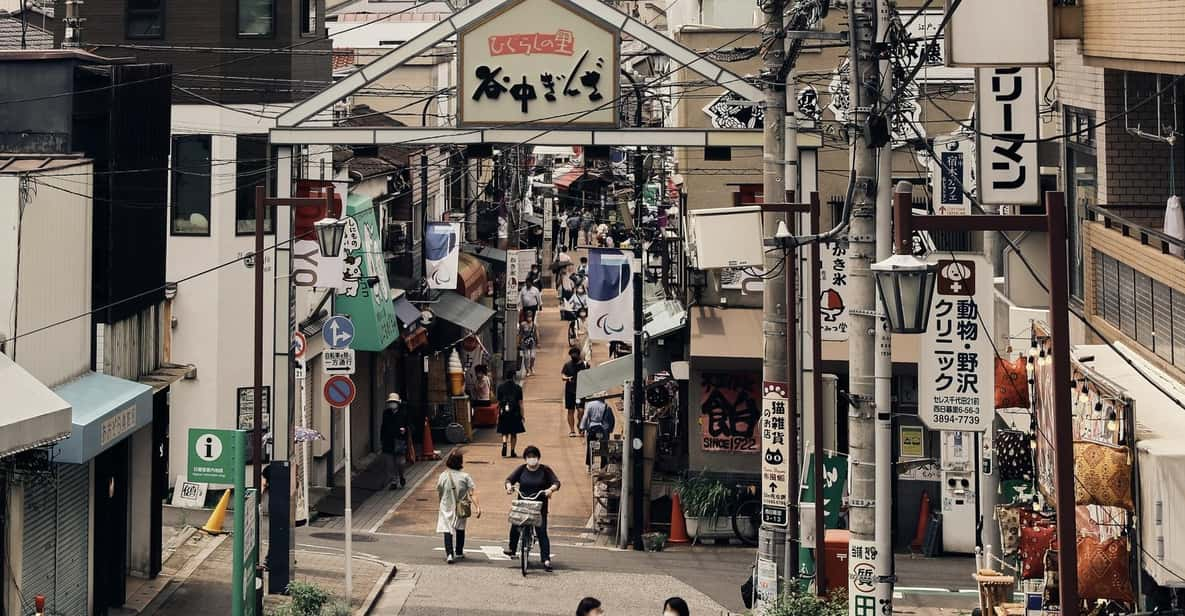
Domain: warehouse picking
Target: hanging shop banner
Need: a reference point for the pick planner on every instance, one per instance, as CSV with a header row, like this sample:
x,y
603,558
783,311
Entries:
x,y
835,484
309,267
370,307
730,410
610,295
539,62
775,484
833,285
950,175
1006,111
442,246
862,578
999,33
513,277
956,367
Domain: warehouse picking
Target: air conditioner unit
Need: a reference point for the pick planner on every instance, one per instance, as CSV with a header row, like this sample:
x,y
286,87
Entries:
x,y
726,237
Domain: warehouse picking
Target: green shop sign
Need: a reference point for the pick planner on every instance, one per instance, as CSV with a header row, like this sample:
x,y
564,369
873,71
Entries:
x,y
835,481
372,309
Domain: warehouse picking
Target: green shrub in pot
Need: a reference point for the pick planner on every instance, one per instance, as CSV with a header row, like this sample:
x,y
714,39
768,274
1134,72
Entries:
x,y
702,496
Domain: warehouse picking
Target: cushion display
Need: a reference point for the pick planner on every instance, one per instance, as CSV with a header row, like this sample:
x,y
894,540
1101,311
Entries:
x,y
1034,542
1103,570
1009,519
1012,383
1103,475
1015,455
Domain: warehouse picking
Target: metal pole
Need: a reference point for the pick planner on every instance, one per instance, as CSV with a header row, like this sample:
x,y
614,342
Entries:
x,y
817,394
257,402
636,462
792,415
1063,433
771,539
349,510
865,79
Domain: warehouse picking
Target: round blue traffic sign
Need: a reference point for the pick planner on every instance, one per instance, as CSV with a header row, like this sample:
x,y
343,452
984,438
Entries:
x,y
338,332
339,390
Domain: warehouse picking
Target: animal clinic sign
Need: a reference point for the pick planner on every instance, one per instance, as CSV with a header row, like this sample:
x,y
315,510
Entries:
x,y
539,62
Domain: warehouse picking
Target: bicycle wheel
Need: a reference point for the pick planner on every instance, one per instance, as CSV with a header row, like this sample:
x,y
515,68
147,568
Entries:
x,y
746,520
525,547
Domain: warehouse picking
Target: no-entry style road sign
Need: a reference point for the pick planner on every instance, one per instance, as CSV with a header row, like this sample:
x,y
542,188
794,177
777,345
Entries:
x,y
299,344
339,390
338,332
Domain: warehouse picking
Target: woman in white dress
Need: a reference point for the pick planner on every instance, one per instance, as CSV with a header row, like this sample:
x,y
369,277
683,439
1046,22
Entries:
x,y
458,501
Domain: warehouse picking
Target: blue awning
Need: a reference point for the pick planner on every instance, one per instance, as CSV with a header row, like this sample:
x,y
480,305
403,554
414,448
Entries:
x,y
106,410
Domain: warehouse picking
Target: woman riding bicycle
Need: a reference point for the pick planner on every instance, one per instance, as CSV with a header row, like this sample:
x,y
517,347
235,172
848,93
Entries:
x,y
538,482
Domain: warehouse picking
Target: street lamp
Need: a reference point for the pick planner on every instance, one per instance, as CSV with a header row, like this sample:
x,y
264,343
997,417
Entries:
x,y
329,236
906,285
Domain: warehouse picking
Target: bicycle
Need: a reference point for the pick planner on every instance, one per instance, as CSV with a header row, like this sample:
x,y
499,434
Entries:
x,y
526,513
746,513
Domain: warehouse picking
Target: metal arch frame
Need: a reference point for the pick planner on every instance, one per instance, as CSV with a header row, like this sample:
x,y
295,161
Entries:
x,y
676,137
456,24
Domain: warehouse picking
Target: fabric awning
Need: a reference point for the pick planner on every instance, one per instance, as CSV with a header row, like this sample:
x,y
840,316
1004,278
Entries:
x,y
664,317
106,410
34,415
732,333
468,315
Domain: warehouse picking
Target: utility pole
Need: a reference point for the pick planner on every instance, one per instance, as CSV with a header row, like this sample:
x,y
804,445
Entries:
x,y
883,363
638,385
772,539
865,89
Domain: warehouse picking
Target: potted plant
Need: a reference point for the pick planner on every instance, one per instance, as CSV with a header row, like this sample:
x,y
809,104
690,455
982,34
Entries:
x,y
705,501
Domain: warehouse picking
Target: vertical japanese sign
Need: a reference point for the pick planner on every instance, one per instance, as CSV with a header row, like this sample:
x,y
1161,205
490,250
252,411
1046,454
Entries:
x,y
833,307
951,176
513,277
730,407
835,486
862,578
1006,111
956,371
541,62
370,307
775,484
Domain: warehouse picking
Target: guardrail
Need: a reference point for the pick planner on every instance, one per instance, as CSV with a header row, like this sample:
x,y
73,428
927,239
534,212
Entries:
x,y
1130,228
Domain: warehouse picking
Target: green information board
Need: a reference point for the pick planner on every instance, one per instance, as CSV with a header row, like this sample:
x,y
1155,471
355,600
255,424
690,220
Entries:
x,y
213,457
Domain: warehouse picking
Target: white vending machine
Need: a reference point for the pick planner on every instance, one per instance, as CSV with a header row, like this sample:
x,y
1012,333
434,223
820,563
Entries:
x,y
959,505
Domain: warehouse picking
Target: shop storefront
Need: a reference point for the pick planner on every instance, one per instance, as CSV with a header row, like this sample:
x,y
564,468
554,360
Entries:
x,y
724,406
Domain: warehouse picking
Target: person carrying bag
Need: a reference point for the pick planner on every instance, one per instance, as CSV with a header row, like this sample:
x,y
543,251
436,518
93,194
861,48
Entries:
x,y
458,502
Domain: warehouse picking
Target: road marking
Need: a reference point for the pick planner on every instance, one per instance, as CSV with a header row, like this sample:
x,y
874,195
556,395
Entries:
x,y
492,552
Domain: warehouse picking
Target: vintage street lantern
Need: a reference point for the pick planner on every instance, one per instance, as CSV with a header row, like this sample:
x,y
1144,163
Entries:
x,y
329,236
906,285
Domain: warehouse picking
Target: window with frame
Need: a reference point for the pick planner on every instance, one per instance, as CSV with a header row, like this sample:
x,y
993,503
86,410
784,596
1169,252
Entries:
x,y
308,12
191,185
252,169
257,17
1081,182
145,19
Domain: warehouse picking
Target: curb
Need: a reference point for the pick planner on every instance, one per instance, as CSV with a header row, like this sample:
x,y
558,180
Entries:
x,y
375,591
183,574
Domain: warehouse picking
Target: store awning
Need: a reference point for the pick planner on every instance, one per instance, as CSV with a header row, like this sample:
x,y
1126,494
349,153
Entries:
x,y
565,180
405,311
532,219
727,333
664,317
164,376
489,253
34,415
612,375
468,315
106,410
471,276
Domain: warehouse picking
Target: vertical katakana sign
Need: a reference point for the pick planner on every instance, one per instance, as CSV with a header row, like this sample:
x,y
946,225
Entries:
x,y
541,62
956,366
775,482
1006,104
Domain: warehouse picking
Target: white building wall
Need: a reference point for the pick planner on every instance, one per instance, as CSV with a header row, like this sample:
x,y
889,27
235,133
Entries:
x,y
54,282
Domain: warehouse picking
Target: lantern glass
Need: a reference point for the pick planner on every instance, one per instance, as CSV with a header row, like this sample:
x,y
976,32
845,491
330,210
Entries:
x,y
330,232
906,287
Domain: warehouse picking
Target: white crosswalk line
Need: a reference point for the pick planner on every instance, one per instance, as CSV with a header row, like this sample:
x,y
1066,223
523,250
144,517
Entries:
x,y
492,552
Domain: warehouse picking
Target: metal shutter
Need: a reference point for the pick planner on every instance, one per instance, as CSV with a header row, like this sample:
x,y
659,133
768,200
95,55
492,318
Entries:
x,y
1162,305
1127,301
56,527
1144,311
1111,291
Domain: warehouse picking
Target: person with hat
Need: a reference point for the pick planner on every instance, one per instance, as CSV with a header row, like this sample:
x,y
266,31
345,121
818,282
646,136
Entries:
x,y
393,439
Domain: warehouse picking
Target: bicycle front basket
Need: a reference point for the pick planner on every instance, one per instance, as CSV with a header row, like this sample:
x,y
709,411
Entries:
x,y
523,512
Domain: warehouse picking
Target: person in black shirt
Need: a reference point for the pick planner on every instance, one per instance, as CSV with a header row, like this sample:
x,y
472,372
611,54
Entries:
x,y
393,438
510,413
569,372
538,482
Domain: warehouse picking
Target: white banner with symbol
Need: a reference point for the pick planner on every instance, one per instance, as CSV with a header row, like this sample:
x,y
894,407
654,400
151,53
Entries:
x,y
956,369
442,253
833,307
610,295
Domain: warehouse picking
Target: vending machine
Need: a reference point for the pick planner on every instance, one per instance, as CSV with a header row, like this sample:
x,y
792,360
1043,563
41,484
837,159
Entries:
x,y
959,506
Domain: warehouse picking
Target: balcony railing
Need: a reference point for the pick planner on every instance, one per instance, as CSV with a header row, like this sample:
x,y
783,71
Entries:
x,y
1143,223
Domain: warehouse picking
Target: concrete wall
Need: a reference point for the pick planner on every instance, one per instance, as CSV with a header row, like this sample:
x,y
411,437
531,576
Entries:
x,y
55,275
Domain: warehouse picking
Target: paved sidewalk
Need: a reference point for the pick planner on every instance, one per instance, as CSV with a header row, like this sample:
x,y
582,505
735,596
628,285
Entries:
x,y
547,428
199,577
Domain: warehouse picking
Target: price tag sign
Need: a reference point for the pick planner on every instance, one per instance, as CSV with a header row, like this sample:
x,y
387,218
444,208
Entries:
x,y
338,361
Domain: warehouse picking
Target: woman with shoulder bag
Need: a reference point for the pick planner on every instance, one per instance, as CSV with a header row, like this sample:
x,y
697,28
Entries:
x,y
458,502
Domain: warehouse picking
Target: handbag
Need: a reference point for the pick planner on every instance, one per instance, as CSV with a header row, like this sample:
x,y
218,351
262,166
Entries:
x,y
464,505
1104,475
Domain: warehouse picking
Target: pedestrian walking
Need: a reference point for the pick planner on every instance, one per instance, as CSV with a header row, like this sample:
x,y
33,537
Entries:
x,y
572,368
675,606
528,343
510,413
567,283
393,434
597,424
483,387
458,502
573,223
589,606
530,299
535,481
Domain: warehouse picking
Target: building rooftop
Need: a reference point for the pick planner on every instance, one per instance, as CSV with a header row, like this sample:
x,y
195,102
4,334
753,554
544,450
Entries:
x,y
25,163
10,34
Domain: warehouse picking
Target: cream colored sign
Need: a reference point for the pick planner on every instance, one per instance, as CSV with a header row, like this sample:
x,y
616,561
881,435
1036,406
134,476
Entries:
x,y
539,62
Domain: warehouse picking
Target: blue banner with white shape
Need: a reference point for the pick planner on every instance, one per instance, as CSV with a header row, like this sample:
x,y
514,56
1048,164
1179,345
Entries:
x,y
610,295
442,252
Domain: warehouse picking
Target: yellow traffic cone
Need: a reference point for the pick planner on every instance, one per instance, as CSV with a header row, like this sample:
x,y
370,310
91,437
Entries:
x,y
214,524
